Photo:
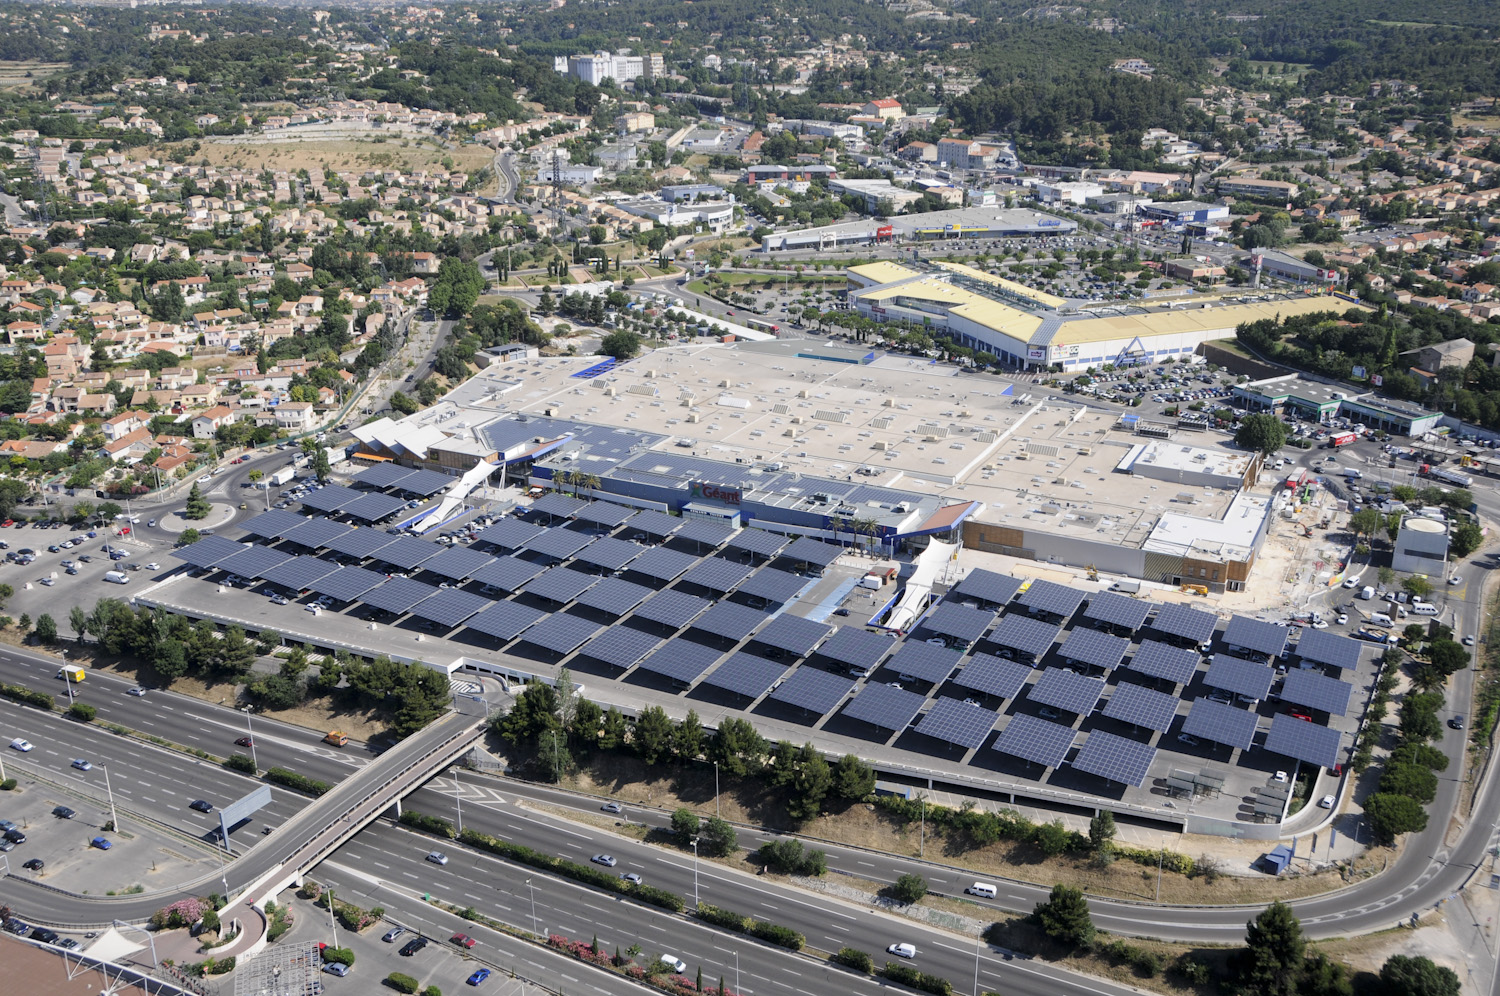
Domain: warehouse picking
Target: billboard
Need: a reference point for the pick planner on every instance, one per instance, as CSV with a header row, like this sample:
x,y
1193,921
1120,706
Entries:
x,y
242,809
1038,353
885,231
705,491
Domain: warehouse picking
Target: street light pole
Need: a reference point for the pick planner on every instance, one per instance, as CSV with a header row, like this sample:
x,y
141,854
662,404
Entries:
x,y
695,873
459,800
977,938
533,906
251,736
114,820
332,923
1160,857
716,790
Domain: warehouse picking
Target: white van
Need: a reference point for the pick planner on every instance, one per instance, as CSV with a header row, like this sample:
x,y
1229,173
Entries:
x,y
1353,473
1424,608
869,581
116,577
1379,619
1367,593
982,889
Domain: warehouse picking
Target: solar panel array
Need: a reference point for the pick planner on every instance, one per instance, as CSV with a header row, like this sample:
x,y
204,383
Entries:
x,y
855,647
814,553
886,707
408,552
1094,648
672,608
1240,677
923,661
559,544
957,723
1115,758
457,562
1223,724
620,646
360,543
373,507
508,574
1035,740
1162,660
299,573
506,620
1255,634
316,533
1329,648
1051,598
208,551
560,585
347,583
1185,622
681,660
759,542
330,498
1066,690
987,586
561,633
604,513
812,690
1317,691
773,585
956,620
1307,742
397,595
717,574
251,561
704,532
389,476
792,634
383,475
614,596
747,675
729,621
558,505
510,534
1025,635
274,523
609,553
661,564
654,523
1140,706
1117,610
994,676
449,607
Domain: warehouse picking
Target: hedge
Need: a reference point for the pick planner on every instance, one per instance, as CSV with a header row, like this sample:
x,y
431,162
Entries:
x,y
22,694
854,958
239,762
907,976
8,785
402,983
344,955
83,711
586,874
435,825
719,917
292,780
774,933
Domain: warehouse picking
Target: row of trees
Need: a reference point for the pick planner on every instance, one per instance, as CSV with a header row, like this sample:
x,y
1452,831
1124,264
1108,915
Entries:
x,y
559,724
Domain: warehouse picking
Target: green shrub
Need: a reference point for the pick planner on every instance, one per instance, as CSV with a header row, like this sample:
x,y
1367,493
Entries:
x,y
22,694
727,919
908,889
907,976
82,711
432,991
854,958
435,825
401,983
9,785
344,955
239,762
790,857
1192,970
292,780
775,933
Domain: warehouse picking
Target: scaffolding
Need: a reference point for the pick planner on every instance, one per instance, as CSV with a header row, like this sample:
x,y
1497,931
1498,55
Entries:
x,y
281,971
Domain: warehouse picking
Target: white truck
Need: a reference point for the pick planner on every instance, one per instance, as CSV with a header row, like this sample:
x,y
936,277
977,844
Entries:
x,y
280,477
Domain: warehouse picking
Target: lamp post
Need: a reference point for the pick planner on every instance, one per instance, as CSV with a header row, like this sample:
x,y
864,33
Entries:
x,y
695,873
114,820
533,906
717,814
977,938
332,923
1160,857
458,800
250,735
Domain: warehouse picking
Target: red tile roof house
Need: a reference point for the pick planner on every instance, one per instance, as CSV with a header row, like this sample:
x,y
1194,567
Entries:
x,y
130,447
205,424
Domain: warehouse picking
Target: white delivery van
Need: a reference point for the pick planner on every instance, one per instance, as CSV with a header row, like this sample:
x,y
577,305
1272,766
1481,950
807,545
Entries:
x,y
1353,473
1424,608
869,581
116,577
1379,619
982,889
1367,593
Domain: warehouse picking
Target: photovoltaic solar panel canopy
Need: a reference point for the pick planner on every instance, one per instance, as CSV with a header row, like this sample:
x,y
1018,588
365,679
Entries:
x,y
457,563
1035,740
1067,691
397,595
609,553
408,552
813,552
360,543
681,660
923,661
614,596
424,483
331,498
509,534
708,532
1117,610
253,561
813,690
855,647
620,646
208,551
958,621
300,572
508,573
558,505
561,633
1051,599
759,542
1025,635
1307,742
274,523
1317,691
1185,622
662,564
773,585
994,676
1162,660
505,620
672,608
729,621
317,533
717,574
449,607
604,513
1114,758
792,634
1324,647
1255,634
559,543
957,723
1223,724
373,507
654,523
1140,706
347,583
560,585
883,706
747,675
1094,648
1240,677
987,586
384,475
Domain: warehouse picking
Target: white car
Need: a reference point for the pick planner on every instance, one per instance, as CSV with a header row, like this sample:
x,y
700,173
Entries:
x,y
137,691
902,950
1342,619
206,479
21,745
1456,579
1326,802
153,566
1352,582
677,964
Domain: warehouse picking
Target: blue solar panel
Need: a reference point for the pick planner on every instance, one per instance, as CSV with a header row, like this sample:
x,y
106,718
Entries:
x,y
773,585
1025,635
1329,648
1223,724
561,633
956,620
856,647
792,634
681,660
1115,758
1118,610
1307,742
253,561
560,585
717,574
1035,740
987,586
1094,648
883,706
730,621
360,543
994,676
923,661
559,543
1141,706
1239,677
449,607
505,620
208,551
317,533
274,523
746,675
397,595
814,553
1185,622
813,690
705,532
620,646
672,608
1256,635
373,507
1161,660
384,475
408,552
957,723
331,498
457,562
558,505
654,523
1317,691
759,542
509,534
508,573
1067,691
609,553
1051,598
347,583
614,596
604,513
661,564
300,572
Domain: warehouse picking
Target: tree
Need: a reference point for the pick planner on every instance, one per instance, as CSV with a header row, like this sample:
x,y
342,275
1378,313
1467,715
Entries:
x,y
852,778
653,734
908,888
1102,831
78,618
1464,539
197,505
107,511
405,403
810,785
1448,656
737,746
553,754
1365,522
532,713
1064,917
622,345
1274,948
1404,975
1393,815
1411,780
717,838
1322,976
188,536
685,823
321,466
1263,433
687,739
46,629
1417,587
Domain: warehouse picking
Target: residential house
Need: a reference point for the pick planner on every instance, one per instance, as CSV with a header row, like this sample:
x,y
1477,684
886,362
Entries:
x,y
207,423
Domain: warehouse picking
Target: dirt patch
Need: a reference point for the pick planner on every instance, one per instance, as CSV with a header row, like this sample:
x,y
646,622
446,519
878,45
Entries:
x,y
22,74
349,154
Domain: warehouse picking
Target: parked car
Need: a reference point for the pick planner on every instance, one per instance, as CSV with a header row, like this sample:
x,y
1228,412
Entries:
x,y
462,940
392,934
412,946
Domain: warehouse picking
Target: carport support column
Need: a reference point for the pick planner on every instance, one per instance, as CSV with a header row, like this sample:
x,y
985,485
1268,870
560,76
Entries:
x,y
396,805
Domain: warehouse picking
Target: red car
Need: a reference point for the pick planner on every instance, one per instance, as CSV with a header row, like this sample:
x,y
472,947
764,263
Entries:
x,y
462,940
7,523
1302,716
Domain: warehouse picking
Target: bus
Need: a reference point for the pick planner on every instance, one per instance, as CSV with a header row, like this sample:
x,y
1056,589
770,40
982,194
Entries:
x,y
763,325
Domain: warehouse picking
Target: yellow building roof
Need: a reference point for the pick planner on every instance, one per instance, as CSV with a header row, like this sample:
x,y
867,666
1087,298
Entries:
x,y
923,290
1020,290
883,272
1190,320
